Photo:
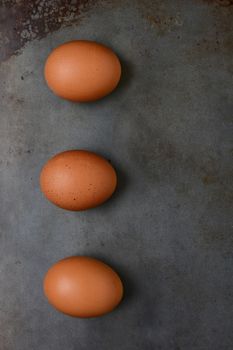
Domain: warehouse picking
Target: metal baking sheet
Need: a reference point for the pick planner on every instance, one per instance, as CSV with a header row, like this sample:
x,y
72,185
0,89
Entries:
x,y
167,130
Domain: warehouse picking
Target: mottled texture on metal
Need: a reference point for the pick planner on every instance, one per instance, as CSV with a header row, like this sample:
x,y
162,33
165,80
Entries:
x,y
22,21
167,130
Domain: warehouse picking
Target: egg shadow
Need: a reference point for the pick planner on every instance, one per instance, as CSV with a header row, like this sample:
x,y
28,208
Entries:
x,y
122,181
126,76
127,73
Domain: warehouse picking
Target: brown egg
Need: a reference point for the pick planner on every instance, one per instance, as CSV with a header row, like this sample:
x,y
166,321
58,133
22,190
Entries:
x,y
83,287
78,180
82,71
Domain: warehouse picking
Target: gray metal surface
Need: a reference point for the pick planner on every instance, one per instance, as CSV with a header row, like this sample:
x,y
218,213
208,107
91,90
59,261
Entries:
x,y
168,132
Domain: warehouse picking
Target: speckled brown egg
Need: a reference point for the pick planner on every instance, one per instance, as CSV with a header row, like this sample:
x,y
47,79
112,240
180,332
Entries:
x,y
82,71
83,287
78,180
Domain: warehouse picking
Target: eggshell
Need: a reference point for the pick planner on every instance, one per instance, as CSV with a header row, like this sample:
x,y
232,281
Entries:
x,y
82,71
83,287
78,180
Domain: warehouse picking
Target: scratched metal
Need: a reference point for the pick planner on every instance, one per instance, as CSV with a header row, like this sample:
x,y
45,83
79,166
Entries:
x,y
168,131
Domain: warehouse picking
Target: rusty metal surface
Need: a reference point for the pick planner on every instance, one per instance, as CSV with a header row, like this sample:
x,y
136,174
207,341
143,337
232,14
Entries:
x,y
167,130
23,21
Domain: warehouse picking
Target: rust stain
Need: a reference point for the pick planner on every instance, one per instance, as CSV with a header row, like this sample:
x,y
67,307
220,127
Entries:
x,y
209,179
219,237
160,17
218,41
22,21
210,235
164,23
